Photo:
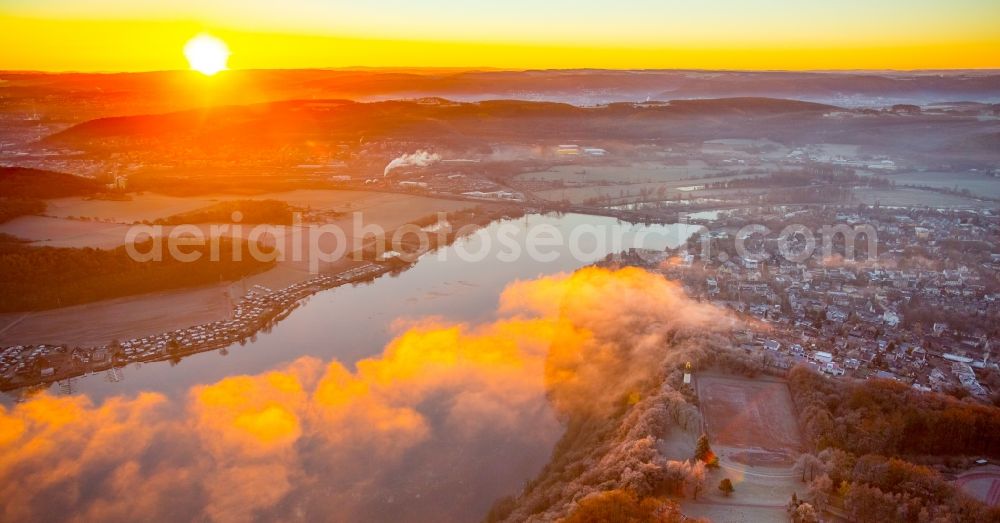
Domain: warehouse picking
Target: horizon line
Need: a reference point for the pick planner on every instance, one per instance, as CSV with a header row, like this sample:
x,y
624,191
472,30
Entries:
x,y
361,68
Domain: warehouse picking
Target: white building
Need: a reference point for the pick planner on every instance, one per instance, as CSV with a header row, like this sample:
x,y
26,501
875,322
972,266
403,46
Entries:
x,y
822,356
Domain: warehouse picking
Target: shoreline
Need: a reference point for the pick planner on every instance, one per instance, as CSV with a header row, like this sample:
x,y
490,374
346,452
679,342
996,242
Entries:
x,y
253,313
27,366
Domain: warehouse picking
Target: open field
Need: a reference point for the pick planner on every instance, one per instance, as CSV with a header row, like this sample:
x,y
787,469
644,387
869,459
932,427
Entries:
x,y
580,194
827,151
982,483
904,197
977,183
734,512
145,206
635,173
754,419
751,425
599,181
390,210
44,231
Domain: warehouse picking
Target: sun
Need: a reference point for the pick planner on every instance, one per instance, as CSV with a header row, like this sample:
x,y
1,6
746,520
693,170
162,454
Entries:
x,y
206,54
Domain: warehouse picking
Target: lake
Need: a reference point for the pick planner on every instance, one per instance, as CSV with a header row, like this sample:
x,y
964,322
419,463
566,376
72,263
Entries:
x,y
445,474
355,321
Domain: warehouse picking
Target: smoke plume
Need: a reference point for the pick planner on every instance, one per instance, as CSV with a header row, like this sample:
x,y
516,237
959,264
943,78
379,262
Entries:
x,y
418,159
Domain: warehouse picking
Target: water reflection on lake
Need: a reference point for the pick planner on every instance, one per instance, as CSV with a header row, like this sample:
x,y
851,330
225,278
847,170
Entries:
x,y
445,475
352,322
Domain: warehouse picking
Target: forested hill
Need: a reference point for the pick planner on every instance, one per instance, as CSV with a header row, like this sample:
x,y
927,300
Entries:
x,y
37,278
27,183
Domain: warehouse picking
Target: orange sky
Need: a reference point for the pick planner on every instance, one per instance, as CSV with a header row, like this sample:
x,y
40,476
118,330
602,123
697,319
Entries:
x,y
114,35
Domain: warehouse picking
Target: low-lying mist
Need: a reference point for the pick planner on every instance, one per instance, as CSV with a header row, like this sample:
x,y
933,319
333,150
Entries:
x,y
448,418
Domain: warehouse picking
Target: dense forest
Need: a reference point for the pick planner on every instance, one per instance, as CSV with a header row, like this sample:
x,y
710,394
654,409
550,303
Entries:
x,y
864,432
812,184
887,417
35,278
873,488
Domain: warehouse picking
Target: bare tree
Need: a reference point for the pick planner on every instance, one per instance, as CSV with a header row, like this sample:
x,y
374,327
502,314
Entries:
x,y
696,479
809,466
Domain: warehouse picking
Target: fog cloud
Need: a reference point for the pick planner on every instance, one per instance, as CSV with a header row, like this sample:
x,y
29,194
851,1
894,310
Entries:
x,y
407,433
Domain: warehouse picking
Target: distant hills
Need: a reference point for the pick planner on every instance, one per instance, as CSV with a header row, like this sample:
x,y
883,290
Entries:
x,y
81,96
277,127
429,120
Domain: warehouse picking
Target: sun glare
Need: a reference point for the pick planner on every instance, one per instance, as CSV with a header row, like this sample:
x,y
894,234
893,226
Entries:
x,y
206,54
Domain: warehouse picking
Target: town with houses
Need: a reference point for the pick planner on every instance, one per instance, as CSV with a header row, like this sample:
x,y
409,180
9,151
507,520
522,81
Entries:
x,y
923,312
